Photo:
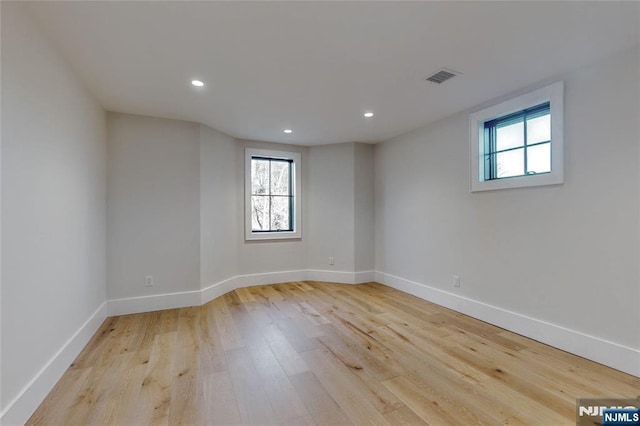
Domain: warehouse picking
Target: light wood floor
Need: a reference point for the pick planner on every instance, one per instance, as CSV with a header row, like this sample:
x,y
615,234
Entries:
x,y
310,353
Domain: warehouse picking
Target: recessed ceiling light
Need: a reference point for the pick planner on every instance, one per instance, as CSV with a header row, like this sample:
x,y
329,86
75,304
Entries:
x,y
288,131
368,114
197,83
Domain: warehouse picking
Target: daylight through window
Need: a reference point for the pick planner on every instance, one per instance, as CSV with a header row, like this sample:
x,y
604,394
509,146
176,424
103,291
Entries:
x,y
518,144
271,194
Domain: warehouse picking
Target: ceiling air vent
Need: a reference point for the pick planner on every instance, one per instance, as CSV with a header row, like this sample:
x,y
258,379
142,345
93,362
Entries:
x,y
442,76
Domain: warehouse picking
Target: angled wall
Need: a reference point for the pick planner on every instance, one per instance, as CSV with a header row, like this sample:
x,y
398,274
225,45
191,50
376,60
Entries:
x,y
153,209
364,207
218,211
53,215
341,224
176,212
331,208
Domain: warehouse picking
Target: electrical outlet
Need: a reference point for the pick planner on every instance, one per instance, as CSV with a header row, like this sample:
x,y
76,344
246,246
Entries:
x,y
148,281
456,281
332,261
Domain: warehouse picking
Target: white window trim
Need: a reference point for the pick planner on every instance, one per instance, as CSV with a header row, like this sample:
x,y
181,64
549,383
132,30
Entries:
x,y
249,235
554,95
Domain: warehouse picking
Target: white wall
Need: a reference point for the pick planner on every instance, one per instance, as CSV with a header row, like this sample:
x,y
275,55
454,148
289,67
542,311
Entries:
x,y
176,201
341,219
176,211
364,241
330,193
218,207
259,257
567,255
153,210
53,212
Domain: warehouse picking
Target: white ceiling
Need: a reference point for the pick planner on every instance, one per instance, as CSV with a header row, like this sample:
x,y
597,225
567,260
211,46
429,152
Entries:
x,y
316,67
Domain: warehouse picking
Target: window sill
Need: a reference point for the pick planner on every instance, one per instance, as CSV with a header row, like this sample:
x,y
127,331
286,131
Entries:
x,y
273,236
516,182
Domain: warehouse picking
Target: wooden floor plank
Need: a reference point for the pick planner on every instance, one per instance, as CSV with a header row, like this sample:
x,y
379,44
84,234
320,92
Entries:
x,y
403,416
315,353
245,295
72,382
427,409
317,400
284,400
220,402
155,395
356,403
290,360
251,396
229,335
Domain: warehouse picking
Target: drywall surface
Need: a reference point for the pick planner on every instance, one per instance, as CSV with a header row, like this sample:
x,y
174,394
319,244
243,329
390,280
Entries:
x,y
53,204
153,206
567,254
218,207
258,257
330,225
364,241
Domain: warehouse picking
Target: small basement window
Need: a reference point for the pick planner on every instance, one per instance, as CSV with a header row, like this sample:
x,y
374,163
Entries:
x,y
518,142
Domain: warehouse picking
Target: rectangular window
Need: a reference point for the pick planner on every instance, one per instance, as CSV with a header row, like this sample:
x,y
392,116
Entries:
x,y
272,194
518,142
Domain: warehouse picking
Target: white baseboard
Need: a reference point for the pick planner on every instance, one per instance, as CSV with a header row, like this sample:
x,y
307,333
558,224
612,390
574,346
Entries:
x,y
269,278
134,305
364,277
342,277
216,290
239,281
599,350
158,302
18,411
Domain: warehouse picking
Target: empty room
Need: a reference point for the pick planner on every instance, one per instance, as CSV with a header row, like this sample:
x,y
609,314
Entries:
x,y
320,213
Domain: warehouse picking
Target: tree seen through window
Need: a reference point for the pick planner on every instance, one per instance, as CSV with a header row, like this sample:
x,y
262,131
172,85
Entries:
x,y
271,194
